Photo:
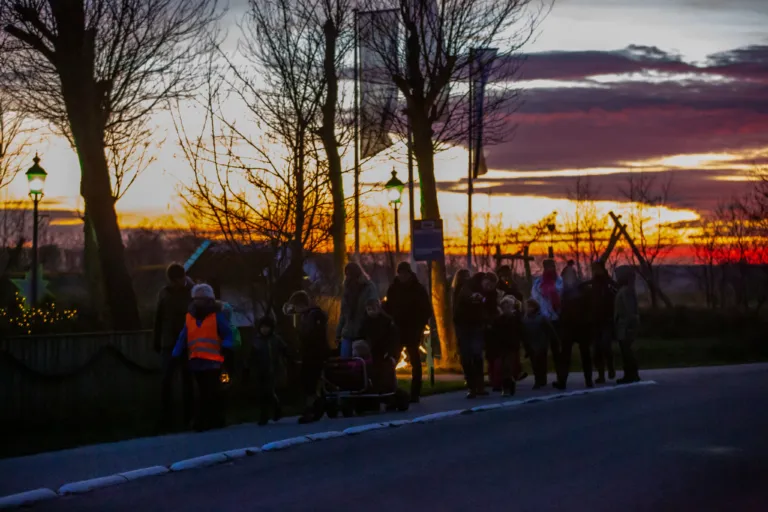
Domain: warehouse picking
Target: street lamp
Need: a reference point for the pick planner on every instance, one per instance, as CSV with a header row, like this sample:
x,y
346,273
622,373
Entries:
x,y
394,188
36,179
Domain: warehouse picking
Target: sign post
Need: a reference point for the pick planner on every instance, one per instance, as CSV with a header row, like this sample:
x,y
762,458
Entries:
x,y
427,236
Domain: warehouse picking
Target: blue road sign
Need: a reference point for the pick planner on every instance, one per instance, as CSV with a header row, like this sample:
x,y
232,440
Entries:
x,y
428,240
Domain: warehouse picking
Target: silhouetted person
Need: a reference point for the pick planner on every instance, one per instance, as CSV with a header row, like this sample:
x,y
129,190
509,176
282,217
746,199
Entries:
x,y
507,283
574,328
627,321
547,291
409,305
312,325
602,293
357,291
172,304
473,313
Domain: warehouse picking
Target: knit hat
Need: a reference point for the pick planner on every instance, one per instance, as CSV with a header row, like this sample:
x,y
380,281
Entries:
x,y
203,291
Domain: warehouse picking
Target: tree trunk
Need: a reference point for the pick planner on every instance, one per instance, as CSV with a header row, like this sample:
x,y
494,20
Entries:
x,y
331,146
92,271
424,153
87,113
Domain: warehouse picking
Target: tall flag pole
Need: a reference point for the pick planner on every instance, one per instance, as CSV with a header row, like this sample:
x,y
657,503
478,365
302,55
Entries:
x,y
470,167
357,143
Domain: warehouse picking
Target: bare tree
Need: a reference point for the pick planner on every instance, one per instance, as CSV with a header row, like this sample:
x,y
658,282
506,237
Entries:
x,y
707,251
333,17
586,231
259,178
14,139
96,70
648,195
439,39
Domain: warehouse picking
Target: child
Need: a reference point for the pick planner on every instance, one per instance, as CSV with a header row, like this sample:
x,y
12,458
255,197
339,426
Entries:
x,y
270,354
538,333
503,347
379,331
312,328
205,338
626,320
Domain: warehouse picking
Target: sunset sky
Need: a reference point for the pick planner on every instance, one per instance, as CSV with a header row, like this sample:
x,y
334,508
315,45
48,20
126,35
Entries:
x,y
671,86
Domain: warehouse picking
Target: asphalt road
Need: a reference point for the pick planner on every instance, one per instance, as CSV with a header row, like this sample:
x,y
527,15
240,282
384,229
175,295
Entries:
x,y
697,442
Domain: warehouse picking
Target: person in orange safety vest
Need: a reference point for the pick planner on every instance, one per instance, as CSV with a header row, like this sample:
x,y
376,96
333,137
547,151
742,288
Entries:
x,y
207,338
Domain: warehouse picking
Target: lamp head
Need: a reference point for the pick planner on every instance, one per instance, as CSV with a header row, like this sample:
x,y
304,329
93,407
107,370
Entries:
x,y
36,178
394,188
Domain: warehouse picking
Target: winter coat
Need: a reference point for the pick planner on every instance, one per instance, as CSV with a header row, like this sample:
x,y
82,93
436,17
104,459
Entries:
x,y
547,308
229,312
538,332
172,305
473,308
381,334
626,315
409,306
505,336
223,327
574,316
510,288
312,328
270,357
602,295
353,310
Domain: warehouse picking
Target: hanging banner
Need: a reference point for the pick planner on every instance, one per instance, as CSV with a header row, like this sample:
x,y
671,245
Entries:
x,y
377,40
481,62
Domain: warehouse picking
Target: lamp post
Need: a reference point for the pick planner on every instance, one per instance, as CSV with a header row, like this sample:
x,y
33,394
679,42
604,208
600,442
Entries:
x,y
394,188
36,180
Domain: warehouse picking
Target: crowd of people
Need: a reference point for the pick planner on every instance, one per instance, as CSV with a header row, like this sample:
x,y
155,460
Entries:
x,y
494,325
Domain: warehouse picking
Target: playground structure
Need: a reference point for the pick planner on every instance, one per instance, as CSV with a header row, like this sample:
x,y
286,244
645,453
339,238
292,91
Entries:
x,y
619,231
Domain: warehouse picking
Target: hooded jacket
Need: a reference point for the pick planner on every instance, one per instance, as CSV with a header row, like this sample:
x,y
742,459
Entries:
x,y
409,306
172,305
353,309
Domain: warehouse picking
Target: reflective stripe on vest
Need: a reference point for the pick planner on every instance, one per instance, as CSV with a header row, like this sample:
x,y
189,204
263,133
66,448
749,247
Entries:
x,y
203,342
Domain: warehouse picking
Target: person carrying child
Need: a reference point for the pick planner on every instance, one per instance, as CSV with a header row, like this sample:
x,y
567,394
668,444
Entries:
x,y
626,321
503,346
538,333
312,325
270,354
206,339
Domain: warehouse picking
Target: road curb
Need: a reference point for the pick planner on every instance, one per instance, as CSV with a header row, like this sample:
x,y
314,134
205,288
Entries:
x,y
26,498
428,418
359,429
322,436
92,484
144,472
285,443
199,462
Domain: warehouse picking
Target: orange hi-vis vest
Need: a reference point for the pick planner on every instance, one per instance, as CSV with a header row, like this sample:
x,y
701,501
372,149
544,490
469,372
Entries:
x,y
204,342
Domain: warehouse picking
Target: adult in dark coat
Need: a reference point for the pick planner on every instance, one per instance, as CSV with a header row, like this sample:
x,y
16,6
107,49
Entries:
x,y
172,305
574,328
474,311
602,292
507,284
409,305
312,330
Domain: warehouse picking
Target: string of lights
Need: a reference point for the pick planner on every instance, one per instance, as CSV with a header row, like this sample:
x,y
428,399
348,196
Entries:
x,y
35,319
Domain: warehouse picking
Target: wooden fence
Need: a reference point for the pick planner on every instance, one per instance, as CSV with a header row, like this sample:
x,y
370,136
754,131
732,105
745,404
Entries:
x,y
77,378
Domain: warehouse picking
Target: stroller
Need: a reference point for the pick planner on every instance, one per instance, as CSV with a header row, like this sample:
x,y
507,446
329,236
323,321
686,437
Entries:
x,y
354,385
